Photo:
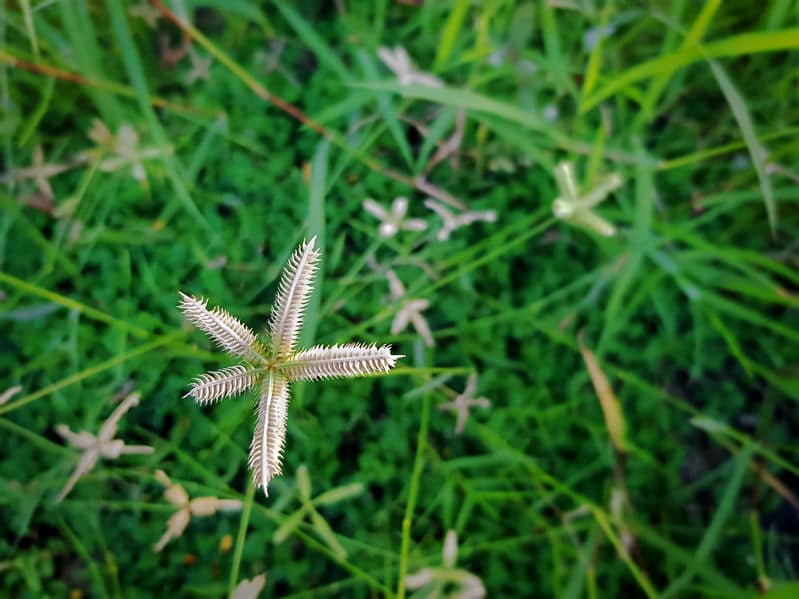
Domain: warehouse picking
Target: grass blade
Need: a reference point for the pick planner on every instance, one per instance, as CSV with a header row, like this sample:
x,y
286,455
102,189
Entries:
x,y
713,533
132,62
315,42
737,45
450,32
756,151
611,408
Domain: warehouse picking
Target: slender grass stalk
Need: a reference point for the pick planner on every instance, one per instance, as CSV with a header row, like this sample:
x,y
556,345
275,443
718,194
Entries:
x,y
241,536
413,492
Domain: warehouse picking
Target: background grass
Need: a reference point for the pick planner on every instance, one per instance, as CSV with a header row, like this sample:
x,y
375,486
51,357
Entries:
x,y
689,311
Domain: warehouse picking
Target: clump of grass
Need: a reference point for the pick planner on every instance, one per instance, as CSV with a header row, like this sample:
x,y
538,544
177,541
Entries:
x,y
606,467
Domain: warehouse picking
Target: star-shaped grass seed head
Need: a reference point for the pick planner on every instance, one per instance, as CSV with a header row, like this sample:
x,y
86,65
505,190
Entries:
x,y
453,221
42,180
392,222
410,312
576,208
399,63
39,171
463,402
120,149
436,580
144,10
272,364
102,445
200,68
187,507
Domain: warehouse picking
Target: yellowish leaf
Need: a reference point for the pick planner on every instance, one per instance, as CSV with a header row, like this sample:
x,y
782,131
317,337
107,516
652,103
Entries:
x,y
611,408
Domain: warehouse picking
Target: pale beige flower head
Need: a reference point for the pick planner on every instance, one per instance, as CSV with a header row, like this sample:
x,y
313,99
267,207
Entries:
x,y
103,444
463,402
398,61
145,11
120,150
435,580
394,221
187,507
200,67
410,311
40,172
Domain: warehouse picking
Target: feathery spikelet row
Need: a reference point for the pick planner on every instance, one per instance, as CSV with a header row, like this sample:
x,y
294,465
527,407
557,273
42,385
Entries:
x,y
292,298
218,384
339,361
269,438
231,334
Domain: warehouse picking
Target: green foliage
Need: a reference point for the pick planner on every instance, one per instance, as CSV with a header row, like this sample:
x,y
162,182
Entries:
x,y
690,308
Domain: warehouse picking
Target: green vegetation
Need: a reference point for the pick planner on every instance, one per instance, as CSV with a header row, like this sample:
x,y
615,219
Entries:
x,y
640,350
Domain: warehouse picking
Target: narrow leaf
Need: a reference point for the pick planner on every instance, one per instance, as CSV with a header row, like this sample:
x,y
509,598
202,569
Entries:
x,y
317,194
323,530
611,408
339,494
756,151
304,483
714,534
783,590
451,32
735,45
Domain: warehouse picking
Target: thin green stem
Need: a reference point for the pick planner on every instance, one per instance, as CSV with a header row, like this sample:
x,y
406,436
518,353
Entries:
x,y
413,492
241,536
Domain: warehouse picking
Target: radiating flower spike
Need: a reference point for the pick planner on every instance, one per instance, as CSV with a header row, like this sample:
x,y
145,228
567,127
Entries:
x,y
212,386
293,294
269,438
339,361
435,580
230,334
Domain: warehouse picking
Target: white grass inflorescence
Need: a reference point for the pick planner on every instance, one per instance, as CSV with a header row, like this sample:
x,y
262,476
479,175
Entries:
x,y
274,363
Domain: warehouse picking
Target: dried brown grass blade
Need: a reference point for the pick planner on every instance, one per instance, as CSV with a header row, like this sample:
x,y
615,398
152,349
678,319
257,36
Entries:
x,y
611,408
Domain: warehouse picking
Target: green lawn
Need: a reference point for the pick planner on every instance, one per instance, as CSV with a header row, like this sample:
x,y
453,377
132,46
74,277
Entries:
x,y
593,278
